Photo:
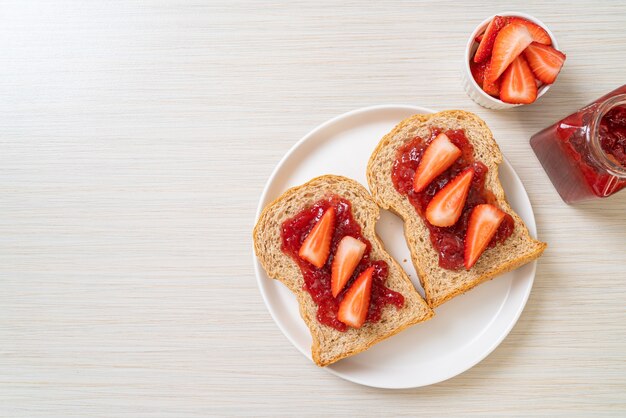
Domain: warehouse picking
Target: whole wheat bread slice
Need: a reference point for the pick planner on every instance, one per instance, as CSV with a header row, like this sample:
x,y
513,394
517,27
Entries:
x,y
329,344
441,285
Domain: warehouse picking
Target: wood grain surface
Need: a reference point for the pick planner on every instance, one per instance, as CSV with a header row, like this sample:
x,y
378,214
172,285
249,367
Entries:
x,y
135,140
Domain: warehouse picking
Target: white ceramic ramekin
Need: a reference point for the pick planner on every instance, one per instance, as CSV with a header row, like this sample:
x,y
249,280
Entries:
x,y
472,89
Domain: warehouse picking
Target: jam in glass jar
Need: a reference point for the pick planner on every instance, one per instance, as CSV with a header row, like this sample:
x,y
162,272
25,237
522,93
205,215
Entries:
x,y
585,154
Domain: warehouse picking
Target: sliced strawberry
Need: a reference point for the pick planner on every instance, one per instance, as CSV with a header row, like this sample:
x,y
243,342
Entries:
x,y
509,43
440,154
316,245
538,33
446,206
479,37
545,61
353,308
486,43
349,252
478,71
518,83
492,88
483,224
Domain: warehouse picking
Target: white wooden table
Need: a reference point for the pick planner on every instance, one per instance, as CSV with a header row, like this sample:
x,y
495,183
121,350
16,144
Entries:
x,y
135,139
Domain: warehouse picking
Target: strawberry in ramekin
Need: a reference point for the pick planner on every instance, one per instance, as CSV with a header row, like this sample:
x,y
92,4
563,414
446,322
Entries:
x,y
511,59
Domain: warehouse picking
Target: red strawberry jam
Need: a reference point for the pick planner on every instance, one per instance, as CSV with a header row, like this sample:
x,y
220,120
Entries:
x,y
613,134
449,242
585,153
317,281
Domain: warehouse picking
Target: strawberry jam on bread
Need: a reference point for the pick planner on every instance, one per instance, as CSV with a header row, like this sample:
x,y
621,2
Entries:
x,y
348,255
448,200
454,247
319,240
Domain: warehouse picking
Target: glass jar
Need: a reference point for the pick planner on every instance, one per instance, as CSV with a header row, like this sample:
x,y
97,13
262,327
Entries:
x,y
585,153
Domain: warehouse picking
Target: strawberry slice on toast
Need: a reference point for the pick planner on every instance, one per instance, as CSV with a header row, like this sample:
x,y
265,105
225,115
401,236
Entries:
x,y
353,308
483,224
316,245
446,206
440,154
349,253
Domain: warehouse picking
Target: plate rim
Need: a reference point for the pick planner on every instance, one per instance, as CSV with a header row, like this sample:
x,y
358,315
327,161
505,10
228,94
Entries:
x,y
531,225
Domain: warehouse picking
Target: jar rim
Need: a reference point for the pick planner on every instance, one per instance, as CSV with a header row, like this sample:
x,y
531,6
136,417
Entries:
x,y
593,136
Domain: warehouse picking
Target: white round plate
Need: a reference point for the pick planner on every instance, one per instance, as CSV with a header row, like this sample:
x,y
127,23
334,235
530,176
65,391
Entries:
x,y
463,331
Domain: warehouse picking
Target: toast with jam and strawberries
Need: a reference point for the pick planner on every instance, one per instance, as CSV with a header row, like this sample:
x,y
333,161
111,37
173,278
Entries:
x,y
439,172
319,240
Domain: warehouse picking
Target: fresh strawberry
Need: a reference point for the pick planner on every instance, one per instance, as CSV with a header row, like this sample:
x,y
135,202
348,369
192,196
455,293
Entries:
x,y
316,245
446,206
486,43
544,61
440,154
492,88
510,42
349,252
478,71
353,308
479,37
518,83
483,224
538,33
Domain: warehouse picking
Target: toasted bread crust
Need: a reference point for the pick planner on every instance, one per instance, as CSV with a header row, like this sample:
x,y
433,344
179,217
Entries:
x,y
441,285
330,345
